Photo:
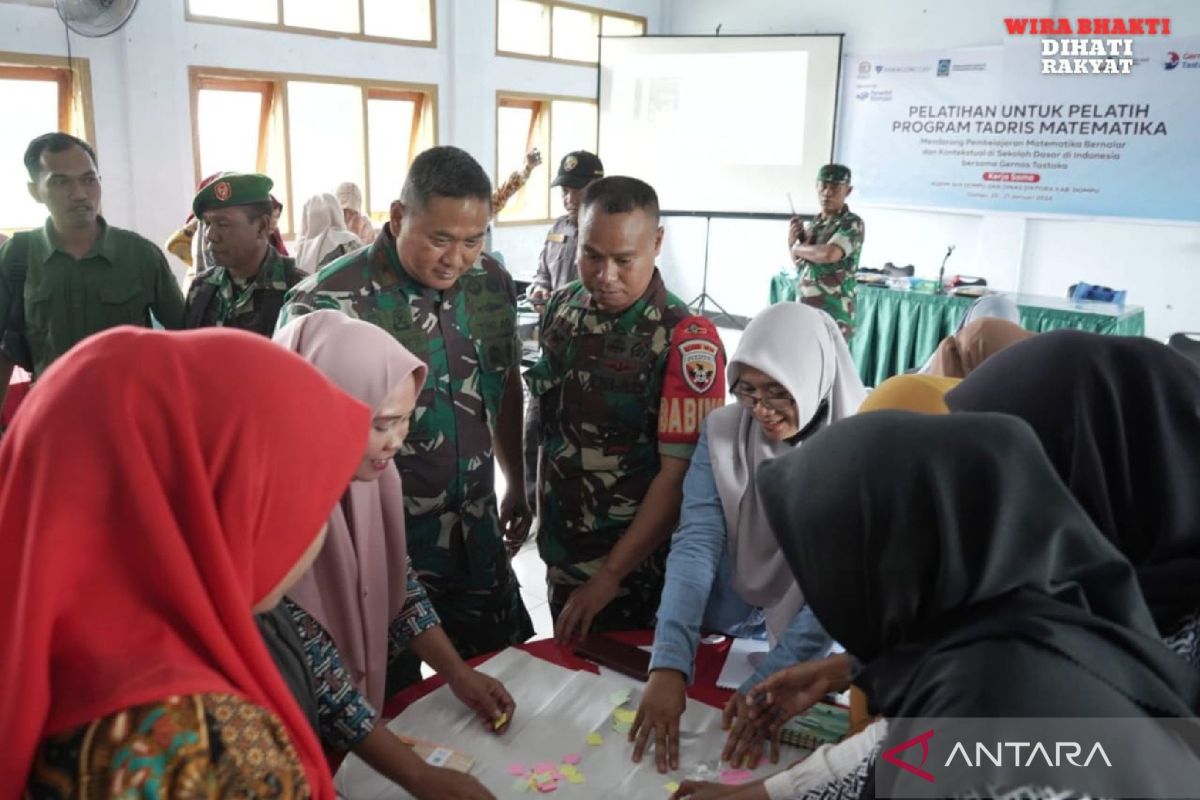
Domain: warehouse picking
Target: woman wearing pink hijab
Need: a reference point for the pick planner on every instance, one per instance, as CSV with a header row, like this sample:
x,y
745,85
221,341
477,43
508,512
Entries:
x,y
362,588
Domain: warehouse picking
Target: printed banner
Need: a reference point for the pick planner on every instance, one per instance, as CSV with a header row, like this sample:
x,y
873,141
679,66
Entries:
x,y
1042,125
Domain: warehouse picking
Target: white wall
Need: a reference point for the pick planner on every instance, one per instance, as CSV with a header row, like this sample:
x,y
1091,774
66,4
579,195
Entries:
x,y
1159,264
142,108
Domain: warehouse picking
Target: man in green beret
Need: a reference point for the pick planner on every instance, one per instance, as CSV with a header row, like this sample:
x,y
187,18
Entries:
x,y
826,253
245,288
77,275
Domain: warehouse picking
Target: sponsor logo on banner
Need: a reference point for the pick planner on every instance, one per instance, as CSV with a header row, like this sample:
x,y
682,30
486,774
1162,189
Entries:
x,y
943,67
864,69
1172,60
863,95
878,68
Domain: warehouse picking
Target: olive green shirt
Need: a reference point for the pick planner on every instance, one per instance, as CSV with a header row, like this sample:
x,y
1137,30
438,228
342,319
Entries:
x,y
122,280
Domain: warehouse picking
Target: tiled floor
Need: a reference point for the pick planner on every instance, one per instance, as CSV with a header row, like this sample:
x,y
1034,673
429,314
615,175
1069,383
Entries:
x,y
531,572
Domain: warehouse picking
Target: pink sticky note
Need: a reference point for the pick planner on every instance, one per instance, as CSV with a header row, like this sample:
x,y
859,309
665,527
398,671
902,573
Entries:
x,y
573,758
517,769
546,767
732,777
546,788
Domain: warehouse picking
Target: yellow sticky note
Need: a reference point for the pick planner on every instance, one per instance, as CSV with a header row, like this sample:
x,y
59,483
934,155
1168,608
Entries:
x,y
595,739
671,787
499,721
574,777
624,715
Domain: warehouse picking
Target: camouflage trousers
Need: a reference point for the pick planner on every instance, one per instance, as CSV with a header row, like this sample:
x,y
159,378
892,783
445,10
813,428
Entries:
x,y
634,607
475,622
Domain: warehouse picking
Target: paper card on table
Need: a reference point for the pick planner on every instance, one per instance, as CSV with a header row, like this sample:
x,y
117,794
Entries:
x,y
575,777
739,663
545,767
595,739
520,770
439,757
624,715
572,758
733,777
671,786
619,698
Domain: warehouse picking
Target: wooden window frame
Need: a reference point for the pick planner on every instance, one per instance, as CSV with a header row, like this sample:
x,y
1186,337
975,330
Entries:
x,y
274,88
283,27
74,81
552,4
541,104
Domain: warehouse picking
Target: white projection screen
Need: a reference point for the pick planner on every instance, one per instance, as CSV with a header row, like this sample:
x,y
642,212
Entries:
x,y
723,124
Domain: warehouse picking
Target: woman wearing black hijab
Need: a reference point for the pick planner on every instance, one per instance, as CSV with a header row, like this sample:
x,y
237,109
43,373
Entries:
x,y
948,558
1120,419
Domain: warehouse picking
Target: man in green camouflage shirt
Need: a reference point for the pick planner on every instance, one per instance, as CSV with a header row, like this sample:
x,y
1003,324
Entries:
x,y
245,290
626,377
827,253
425,281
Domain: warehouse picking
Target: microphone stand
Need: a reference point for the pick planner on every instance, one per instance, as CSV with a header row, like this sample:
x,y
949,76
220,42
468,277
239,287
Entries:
x,y
941,285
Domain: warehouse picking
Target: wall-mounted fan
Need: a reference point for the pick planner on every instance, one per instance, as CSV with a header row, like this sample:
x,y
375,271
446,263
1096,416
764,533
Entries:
x,y
95,17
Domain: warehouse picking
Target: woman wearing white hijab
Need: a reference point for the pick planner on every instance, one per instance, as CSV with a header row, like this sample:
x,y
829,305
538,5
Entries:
x,y
792,375
324,236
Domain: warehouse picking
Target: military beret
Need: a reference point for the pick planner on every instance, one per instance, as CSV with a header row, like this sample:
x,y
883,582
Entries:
x,y
833,173
578,169
233,189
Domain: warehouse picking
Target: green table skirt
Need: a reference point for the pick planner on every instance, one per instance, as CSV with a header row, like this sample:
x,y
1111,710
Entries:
x,y
897,331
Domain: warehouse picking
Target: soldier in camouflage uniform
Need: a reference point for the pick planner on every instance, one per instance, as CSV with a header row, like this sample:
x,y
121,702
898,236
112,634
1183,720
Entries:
x,y
827,253
245,290
425,281
627,375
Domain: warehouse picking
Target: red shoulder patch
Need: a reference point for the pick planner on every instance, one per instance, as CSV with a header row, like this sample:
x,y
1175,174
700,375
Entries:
x,y
694,381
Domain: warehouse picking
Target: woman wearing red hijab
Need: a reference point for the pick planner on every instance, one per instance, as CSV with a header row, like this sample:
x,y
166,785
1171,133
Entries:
x,y
142,520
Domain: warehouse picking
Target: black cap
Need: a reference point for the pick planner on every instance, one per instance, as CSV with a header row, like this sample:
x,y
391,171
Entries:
x,y
578,169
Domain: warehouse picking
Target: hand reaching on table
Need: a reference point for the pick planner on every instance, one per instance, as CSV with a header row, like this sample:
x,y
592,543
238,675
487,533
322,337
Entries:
x,y
484,695
744,745
796,689
575,620
658,716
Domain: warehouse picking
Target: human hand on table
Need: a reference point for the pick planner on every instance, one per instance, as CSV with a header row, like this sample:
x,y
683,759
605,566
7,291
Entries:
x,y
439,783
583,605
703,790
744,745
484,695
658,716
796,689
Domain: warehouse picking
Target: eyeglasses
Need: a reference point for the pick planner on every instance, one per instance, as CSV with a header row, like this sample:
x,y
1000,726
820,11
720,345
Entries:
x,y
773,401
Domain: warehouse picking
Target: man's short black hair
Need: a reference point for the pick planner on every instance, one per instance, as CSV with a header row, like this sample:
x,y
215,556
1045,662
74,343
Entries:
x,y
444,172
620,194
55,142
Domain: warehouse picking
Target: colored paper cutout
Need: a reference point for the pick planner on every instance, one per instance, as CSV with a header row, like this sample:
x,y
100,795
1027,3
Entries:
x,y
572,758
595,739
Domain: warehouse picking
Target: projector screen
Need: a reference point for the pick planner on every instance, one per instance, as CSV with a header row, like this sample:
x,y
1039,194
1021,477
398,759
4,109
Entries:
x,y
726,124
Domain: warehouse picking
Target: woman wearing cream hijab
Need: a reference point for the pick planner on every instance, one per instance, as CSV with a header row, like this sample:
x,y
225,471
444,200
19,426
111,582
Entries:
x,y
792,375
324,236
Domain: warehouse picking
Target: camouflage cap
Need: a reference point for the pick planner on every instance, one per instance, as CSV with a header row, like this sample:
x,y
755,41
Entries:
x,y
233,189
578,169
833,173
